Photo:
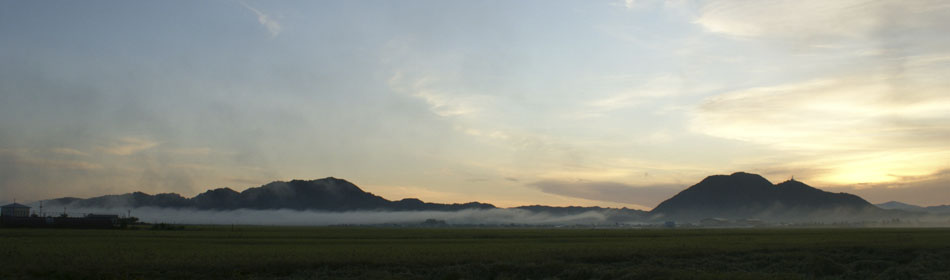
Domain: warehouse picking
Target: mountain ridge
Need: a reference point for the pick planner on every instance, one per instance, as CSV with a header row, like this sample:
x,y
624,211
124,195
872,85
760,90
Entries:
x,y
897,205
736,196
746,195
327,194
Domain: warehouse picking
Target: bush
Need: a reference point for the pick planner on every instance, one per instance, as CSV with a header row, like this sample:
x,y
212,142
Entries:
x,y
164,226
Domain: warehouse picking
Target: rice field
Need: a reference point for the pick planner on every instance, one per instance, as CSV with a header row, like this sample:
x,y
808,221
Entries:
x,y
225,252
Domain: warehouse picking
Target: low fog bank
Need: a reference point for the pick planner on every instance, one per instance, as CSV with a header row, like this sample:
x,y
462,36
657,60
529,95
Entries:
x,y
502,216
320,218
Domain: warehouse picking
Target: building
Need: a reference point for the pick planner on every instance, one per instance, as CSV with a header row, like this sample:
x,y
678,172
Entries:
x,y
18,215
15,210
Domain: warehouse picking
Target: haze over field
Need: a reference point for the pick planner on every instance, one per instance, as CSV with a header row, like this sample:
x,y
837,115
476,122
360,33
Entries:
x,y
607,103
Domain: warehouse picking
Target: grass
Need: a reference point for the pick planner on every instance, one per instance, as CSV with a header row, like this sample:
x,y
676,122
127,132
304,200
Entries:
x,y
478,253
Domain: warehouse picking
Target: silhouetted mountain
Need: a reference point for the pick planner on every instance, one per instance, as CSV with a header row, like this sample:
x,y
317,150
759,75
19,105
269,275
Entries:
x,y
223,198
63,200
136,199
737,196
941,209
324,194
328,194
744,195
896,205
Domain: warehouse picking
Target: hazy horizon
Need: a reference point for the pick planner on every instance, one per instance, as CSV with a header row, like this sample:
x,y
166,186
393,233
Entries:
x,y
595,103
114,208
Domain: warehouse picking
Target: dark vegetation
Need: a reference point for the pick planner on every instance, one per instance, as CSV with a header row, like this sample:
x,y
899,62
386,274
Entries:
x,y
225,252
164,226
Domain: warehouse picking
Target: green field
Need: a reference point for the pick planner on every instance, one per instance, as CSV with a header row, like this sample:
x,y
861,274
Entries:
x,y
453,253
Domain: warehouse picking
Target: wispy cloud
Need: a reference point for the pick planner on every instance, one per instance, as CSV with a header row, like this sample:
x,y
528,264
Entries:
x,y
60,164
872,113
201,151
68,151
632,4
46,161
869,127
265,20
836,114
441,101
789,18
634,91
129,145
657,87
642,4
926,190
816,22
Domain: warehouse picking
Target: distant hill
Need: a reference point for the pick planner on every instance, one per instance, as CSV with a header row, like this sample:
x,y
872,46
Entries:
x,y
745,195
896,205
328,194
736,196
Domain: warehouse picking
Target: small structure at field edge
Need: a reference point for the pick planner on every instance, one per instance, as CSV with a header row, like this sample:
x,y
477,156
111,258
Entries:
x,y
18,215
15,210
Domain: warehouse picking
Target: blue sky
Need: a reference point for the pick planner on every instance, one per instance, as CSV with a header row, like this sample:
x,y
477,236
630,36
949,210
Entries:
x,y
611,103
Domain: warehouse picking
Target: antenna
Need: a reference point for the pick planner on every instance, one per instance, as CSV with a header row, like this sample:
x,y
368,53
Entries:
x,y
41,208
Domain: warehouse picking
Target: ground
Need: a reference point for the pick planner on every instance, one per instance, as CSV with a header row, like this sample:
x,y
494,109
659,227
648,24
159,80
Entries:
x,y
475,253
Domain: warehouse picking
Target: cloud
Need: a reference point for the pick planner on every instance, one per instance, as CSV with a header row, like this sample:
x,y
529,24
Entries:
x,y
643,4
61,164
442,102
647,196
68,151
788,18
632,4
265,20
128,146
30,174
660,86
868,127
926,190
819,23
202,151
634,91
36,162
830,114
874,111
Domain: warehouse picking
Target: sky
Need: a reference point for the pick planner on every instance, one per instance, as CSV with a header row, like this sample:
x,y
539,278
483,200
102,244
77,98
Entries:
x,y
608,103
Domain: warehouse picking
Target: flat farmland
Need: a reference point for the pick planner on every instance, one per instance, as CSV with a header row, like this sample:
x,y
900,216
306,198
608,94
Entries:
x,y
245,252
